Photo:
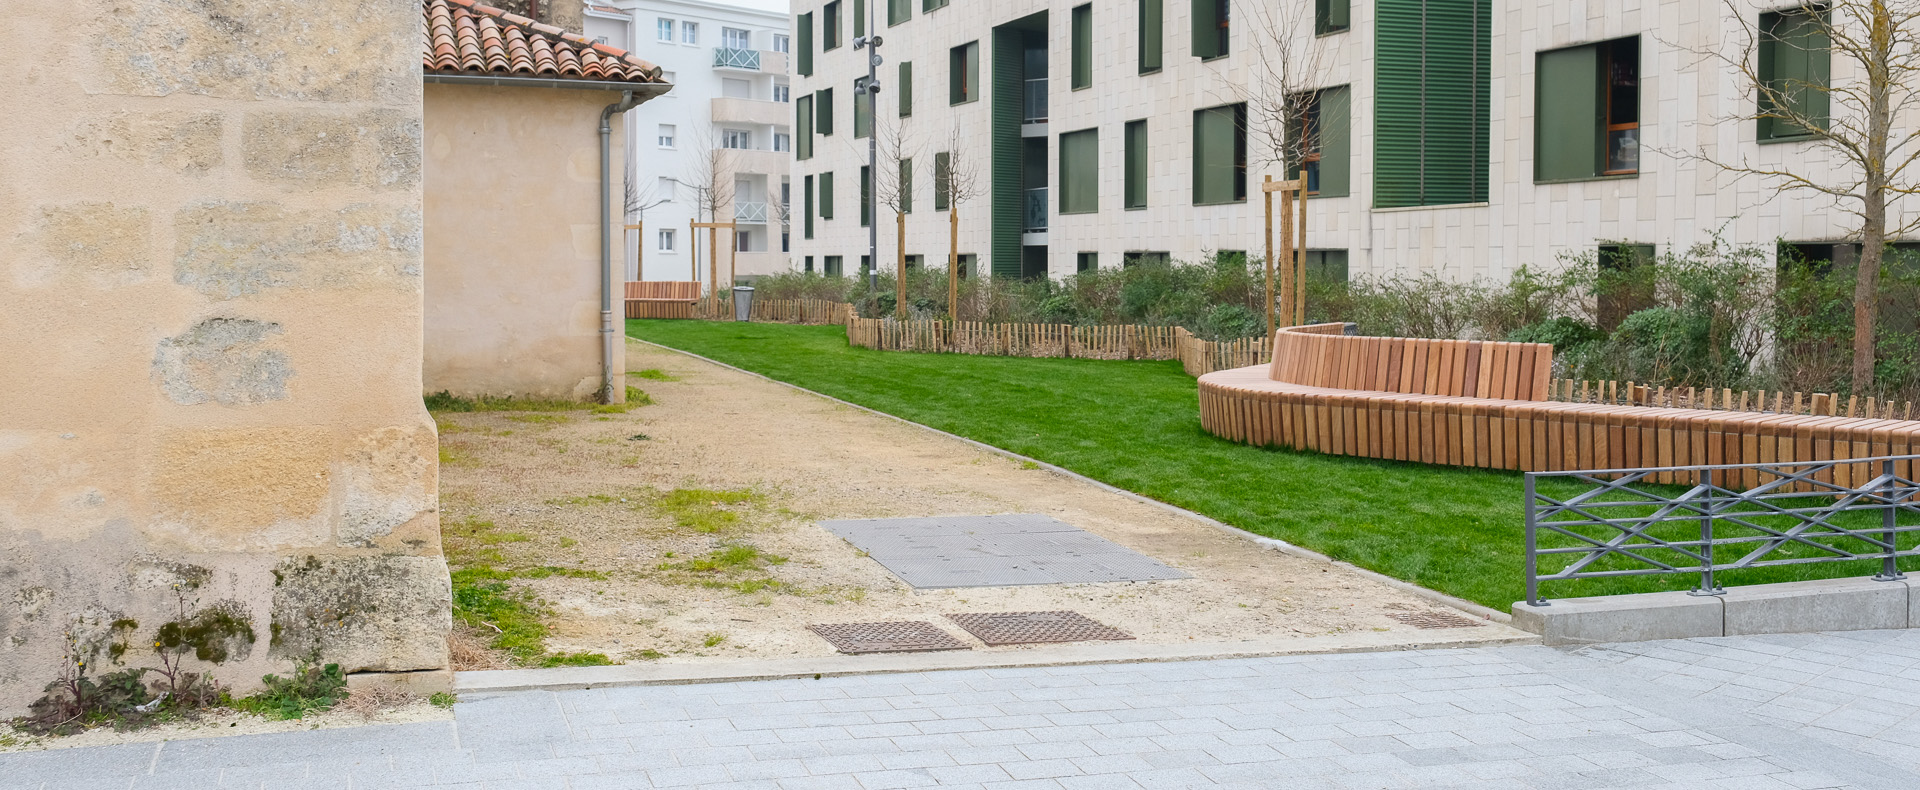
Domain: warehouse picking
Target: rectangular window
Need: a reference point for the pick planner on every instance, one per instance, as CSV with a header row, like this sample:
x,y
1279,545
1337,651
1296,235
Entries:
x,y
1322,143
1327,265
806,44
915,262
1136,176
666,135
862,109
1088,262
736,138
808,264
667,188
833,266
666,241
1220,155
866,196
735,38
866,262
672,78
969,263
830,26
1210,18
826,195
927,6
743,241
786,241
803,124
1331,16
663,30
859,18
783,93
1080,172
904,88
1617,292
906,186
1151,18
782,141
823,112
1432,72
1587,117
1795,66
806,206
689,32
1083,46
963,73
781,43
1131,259
940,182
899,11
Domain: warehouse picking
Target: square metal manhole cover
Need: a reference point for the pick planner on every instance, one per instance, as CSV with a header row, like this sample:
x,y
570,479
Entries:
x,y
996,551
894,637
1028,628
1433,620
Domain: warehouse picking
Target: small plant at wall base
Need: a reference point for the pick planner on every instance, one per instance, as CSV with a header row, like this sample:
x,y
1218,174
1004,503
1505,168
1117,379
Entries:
x,y
310,688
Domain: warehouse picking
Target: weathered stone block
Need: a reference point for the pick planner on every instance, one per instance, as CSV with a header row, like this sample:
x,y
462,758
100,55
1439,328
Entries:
x,y
1856,604
227,250
365,613
386,482
223,360
102,244
312,148
198,474
189,143
1621,618
244,49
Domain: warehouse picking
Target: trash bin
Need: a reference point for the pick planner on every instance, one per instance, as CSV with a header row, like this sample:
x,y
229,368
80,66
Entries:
x,y
742,302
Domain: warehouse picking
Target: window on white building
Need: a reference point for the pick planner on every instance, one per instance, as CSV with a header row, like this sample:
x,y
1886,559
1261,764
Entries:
x,y
743,241
782,141
666,135
689,32
736,89
736,138
664,30
666,241
780,42
667,188
671,78
782,93
735,38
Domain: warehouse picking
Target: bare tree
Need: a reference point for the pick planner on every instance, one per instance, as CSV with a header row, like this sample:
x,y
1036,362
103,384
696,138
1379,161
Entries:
x,y
1852,119
710,175
635,202
893,188
957,182
1284,69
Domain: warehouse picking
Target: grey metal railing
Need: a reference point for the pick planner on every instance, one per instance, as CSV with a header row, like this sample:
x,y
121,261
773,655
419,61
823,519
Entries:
x,y
749,211
1036,218
1728,517
724,57
1034,108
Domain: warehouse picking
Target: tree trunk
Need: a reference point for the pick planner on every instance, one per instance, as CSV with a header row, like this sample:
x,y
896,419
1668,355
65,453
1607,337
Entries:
x,y
1873,231
953,262
900,265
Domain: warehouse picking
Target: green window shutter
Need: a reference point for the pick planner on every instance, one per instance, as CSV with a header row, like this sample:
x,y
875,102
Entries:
x,y
906,186
1206,29
830,26
823,112
803,128
1080,172
927,6
963,73
1336,142
1431,92
862,109
806,201
1136,176
1151,17
1219,155
826,195
1795,61
1082,46
859,17
806,44
866,196
940,183
899,11
1006,173
1331,16
1567,122
905,88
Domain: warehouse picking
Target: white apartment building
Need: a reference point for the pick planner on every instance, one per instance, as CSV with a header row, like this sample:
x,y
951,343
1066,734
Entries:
x,y
1456,136
721,139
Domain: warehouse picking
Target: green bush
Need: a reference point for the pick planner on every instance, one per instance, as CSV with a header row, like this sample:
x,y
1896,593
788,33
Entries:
x,y
309,689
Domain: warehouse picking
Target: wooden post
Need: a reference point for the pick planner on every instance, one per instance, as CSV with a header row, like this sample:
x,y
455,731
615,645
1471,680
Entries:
x,y
1287,283
693,248
639,251
713,260
953,262
1300,273
1266,197
900,265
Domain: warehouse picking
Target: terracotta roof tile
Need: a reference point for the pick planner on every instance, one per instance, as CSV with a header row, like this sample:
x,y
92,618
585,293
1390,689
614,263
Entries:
x,y
465,37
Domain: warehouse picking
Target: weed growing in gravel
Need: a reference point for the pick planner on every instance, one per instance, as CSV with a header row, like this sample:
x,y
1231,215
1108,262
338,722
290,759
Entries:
x,y
456,455
442,699
541,419
713,640
732,557
576,660
704,510
635,399
442,401
653,374
309,689
648,654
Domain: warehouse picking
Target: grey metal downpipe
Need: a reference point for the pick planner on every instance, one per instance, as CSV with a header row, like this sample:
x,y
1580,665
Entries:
x,y
608,337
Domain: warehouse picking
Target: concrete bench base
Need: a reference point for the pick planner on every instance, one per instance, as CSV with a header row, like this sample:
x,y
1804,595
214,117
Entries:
x,y
1855,604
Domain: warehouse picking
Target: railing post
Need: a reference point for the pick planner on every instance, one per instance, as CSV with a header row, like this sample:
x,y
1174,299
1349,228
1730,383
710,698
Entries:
x,y
1533,556
1889,566
1707,585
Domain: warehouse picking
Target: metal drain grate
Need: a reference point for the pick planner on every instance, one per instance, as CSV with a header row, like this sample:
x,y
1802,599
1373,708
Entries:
x,y
893,637
1434,620
1027,628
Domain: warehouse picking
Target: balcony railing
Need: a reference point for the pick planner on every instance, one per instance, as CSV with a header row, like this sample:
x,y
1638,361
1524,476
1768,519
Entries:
x,y
749,212
736,58
1035,109
1036,209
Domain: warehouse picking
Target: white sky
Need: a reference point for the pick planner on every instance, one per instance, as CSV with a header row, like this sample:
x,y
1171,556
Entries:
x,y
776,6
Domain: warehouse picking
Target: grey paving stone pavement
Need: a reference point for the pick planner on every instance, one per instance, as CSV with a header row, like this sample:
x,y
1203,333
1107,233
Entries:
x,y
1798,712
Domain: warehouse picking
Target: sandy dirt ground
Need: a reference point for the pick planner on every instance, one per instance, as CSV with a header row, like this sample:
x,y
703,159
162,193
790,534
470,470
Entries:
x,y
696,517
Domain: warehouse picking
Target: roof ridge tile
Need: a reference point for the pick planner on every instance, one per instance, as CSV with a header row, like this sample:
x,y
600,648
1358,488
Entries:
x,y
467,36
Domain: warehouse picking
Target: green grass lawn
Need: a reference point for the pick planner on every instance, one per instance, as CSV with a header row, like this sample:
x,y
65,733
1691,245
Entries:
x,y
1135,425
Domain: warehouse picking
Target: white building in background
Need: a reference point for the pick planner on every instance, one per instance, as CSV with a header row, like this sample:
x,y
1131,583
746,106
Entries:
x,y
723,135
1463,137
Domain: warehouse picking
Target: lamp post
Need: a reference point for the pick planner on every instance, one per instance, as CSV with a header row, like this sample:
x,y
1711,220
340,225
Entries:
x,y
871,43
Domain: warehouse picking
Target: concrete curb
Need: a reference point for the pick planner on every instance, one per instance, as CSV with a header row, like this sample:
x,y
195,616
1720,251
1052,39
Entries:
x,y
562,678
1435,596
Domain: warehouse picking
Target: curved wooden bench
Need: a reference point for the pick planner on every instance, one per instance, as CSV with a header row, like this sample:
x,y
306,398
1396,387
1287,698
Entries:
x,y
1453,405
662,298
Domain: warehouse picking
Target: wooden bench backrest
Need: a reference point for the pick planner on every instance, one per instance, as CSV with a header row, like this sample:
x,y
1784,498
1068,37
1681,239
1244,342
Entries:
x,y
1321,356
664,289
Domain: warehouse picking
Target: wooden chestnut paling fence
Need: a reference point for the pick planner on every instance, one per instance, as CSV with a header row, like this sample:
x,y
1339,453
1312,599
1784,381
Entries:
x,y
1197,356
1722,399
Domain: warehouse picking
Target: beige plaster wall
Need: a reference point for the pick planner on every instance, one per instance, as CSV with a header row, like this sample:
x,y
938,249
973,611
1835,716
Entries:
x,y
210,278
512,243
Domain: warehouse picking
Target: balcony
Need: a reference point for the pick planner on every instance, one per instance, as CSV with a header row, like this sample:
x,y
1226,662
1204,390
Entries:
x,y
1036,210
754,213
743,59
743,160
1034,107
754,111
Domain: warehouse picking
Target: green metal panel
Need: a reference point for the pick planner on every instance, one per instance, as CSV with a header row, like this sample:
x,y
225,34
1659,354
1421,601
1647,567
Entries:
x,y
906,186
940,183
1431,93
904,88
1080,172
830,26
862,109
1796,60
1568,122
899,11
806,44
963,73
1216,145
1083,46
1206,28
1008,196
1336,142
803,128
806,201
1151,39
823,111
1136,165
866,196
1331,16
826,195
859,17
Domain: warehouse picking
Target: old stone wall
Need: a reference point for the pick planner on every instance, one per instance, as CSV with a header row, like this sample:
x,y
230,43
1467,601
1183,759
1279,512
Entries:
x,y
512,244
210,311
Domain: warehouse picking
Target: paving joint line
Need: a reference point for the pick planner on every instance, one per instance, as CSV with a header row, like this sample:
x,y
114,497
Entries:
x,y
1484,612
